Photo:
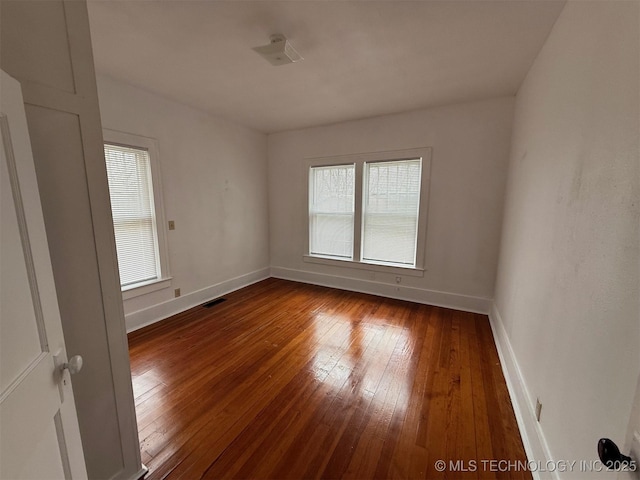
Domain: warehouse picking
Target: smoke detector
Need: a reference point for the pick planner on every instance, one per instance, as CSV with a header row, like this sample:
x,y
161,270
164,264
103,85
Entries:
x,y
279,51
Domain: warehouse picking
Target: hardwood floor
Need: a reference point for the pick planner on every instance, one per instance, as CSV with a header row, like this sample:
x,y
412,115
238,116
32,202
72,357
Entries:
x,y
287,380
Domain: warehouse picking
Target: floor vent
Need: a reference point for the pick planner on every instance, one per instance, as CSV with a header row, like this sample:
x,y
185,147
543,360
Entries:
x,y
213,303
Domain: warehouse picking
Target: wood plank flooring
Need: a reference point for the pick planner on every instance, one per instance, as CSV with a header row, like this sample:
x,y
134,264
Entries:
x,y
287,380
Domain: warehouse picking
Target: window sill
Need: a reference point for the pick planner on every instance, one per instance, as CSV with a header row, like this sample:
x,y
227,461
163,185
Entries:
x,y
131,291
410,271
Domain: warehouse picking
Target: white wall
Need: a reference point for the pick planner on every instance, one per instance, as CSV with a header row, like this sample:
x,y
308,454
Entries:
x,y
214,185
468,172
567,288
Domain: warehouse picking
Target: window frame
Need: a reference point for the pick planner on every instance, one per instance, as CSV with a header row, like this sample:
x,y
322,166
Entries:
x,y
359,159
149,144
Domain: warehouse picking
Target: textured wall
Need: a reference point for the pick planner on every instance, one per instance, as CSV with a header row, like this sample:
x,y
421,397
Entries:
x,y
567,288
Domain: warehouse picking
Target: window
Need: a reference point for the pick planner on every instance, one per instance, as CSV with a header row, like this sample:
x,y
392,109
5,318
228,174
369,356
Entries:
x,y
390,212
134,206
331,210
369,210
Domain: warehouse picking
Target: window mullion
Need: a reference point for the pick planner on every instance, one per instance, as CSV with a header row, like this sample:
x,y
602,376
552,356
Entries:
x,y
357,213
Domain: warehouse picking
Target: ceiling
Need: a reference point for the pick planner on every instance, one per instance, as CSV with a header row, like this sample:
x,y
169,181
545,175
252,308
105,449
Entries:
x,y
361,58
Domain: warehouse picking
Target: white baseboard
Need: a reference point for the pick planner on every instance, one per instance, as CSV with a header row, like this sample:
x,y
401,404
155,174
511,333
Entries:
x,y
155,313
140,474
122,475
430,297
533,438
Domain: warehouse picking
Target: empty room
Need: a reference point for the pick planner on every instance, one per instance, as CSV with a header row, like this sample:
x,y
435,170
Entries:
x,y
320,239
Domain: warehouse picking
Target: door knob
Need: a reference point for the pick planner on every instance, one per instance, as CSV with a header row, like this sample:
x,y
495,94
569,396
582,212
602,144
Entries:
x,y
610,455
74,365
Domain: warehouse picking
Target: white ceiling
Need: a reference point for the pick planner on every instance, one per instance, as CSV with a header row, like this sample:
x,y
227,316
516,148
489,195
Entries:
x,y
361,58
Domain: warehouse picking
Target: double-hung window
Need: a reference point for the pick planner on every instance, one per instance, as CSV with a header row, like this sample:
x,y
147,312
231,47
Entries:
x,y
369,209
137,212
390,209
331,210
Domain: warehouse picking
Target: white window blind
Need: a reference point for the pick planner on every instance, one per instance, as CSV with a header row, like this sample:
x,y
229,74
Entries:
x,y
390,212
331,210
134,223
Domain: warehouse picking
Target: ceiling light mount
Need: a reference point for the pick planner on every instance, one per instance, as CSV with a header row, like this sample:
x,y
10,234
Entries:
x,y
279,51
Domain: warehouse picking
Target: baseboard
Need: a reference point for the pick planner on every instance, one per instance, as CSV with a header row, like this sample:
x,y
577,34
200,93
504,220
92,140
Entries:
x,y
533,438
155,313
430,297
123,475
141,473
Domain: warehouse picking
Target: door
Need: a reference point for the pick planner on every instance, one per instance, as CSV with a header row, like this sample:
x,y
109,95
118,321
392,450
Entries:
x,y
40,436
631,446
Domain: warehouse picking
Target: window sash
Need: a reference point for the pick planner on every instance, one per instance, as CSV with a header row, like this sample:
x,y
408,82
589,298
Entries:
x,y
133,210
390,212
331,211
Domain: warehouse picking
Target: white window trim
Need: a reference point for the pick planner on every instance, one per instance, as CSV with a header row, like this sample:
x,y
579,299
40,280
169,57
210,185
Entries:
x,y
151,145
142,288
359,159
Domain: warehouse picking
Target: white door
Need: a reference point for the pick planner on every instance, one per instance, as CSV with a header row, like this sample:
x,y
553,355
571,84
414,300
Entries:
x,y
631,446
39,436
